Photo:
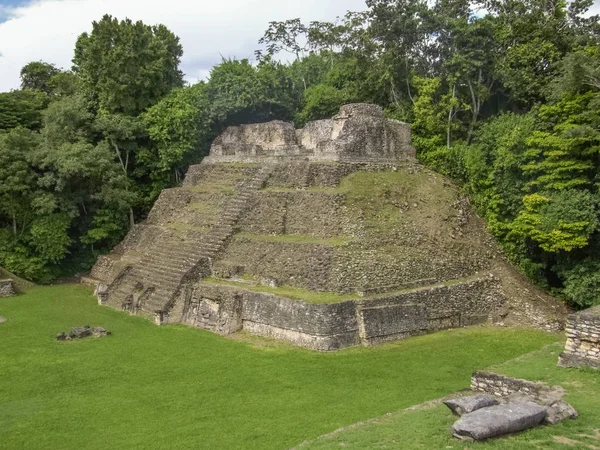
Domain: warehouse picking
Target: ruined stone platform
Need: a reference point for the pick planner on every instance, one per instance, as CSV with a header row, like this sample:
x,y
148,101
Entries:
x,y
275,233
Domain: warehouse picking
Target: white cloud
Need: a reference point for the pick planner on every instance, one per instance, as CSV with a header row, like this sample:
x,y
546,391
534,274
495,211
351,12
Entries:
x,y
47,29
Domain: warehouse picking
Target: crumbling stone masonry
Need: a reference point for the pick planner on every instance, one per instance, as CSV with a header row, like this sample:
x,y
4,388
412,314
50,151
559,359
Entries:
x,y
266,208
583,340
7,288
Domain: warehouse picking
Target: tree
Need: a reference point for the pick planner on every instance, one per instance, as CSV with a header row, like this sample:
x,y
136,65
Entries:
x,y
179,125
17,177
127,67
22,108
37,74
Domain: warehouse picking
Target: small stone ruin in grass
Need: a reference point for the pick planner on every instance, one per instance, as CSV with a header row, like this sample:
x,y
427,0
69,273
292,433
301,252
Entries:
x,y
582,348
7,288
82,332
2,319
506,405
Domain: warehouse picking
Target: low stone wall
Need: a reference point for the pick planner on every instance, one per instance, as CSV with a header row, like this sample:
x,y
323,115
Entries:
x,y
225,309
503,386
7,288
439,307
583,340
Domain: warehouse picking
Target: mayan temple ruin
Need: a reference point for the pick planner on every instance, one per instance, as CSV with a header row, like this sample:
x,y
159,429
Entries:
x,y
328,236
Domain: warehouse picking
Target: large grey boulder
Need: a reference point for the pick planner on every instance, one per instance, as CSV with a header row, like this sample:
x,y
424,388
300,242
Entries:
x,y
465,405
498,420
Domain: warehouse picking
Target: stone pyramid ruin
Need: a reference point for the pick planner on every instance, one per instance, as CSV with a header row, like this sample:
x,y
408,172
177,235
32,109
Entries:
x,y
328,236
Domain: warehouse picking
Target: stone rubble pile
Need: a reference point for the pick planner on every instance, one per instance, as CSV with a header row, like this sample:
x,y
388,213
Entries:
x,y
82,332
508,405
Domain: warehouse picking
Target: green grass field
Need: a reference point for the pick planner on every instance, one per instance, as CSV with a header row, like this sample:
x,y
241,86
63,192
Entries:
x,y
174,387
428,427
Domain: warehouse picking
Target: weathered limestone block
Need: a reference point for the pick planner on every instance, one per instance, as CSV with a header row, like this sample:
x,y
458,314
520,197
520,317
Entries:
x,y
498,420
360,132
465,405
260,139
7,288
391,322
583,340
214,309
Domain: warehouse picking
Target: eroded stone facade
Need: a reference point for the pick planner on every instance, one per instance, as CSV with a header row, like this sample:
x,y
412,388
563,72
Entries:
x,y
359,132
583,340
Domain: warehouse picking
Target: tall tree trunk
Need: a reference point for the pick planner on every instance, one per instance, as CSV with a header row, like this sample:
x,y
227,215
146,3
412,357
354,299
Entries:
x,y
14,221
450,114
124,165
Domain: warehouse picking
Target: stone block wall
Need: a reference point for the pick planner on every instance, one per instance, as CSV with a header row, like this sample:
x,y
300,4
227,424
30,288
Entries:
x,y
7,288
503,386
226,309
583,340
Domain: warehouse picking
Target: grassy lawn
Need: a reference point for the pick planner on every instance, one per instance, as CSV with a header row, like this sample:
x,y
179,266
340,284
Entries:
x,y
174,387
428,428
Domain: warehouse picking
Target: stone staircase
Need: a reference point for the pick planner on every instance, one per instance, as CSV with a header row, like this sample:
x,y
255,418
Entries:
x,y
151,285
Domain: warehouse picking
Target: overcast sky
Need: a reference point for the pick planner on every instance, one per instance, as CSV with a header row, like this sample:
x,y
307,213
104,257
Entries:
x,y
33,30
47,29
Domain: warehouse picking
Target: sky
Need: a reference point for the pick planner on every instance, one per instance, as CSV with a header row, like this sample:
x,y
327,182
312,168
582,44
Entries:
x,y
33,30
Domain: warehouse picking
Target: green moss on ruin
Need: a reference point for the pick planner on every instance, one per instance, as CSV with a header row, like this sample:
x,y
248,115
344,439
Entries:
x,y
290,292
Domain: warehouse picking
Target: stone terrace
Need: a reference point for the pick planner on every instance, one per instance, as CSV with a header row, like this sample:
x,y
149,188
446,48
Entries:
x,y
265,224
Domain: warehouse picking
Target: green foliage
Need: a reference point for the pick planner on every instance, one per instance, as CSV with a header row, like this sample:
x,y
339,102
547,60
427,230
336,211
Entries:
x,y
179,125
22,108
320,102
493,163
37,75
557,221
126,67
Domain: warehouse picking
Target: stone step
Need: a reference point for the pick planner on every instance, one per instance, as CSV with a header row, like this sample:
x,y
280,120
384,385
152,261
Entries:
x,y
162,265
158,276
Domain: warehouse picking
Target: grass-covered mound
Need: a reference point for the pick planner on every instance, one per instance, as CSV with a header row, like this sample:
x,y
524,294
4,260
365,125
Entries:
x,y
175,387
428,427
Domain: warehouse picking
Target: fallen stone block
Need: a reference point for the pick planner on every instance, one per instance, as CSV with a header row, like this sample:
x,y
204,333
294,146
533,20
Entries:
x,y
82,332
99,331
498,420
2,319
465,405
558,412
